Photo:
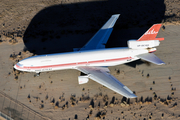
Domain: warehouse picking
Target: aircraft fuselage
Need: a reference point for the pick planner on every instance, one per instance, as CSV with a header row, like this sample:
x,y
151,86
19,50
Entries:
x,y
71,60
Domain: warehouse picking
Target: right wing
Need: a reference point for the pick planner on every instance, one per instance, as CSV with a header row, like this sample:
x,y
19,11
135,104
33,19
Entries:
x,y
102,76
150,57
99,40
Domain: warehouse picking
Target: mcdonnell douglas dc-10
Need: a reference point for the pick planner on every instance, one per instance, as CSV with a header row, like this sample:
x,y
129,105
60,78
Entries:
x,y
93,59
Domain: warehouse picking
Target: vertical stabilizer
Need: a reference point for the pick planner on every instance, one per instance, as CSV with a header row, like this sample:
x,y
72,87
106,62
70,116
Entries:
x,y
151,33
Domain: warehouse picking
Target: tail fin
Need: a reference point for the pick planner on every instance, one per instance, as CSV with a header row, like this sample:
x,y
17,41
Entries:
x,y
151,34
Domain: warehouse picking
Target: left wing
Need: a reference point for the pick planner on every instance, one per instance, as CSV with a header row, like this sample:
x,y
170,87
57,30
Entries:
x,y
102,76
99,40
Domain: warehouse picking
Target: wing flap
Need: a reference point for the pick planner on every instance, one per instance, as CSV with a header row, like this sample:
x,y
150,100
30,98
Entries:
x,y
101,76
150,57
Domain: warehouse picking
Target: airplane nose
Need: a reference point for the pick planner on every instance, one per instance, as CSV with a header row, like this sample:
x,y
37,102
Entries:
x,y
15,66
18,66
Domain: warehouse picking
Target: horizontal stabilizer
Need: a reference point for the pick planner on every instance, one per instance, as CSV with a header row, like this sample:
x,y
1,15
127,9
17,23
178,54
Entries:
x,y
150,57
160,39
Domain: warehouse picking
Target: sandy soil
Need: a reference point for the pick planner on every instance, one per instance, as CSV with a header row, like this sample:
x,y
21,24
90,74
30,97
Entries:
x,y
57,94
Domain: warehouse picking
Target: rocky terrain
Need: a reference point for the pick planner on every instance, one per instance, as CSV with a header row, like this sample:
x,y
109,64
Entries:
x,y
30,28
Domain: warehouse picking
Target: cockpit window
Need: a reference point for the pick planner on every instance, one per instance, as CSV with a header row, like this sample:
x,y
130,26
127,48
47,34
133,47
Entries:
x,y
21,65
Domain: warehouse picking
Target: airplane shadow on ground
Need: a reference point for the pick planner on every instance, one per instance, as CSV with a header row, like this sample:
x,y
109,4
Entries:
x,y
60,28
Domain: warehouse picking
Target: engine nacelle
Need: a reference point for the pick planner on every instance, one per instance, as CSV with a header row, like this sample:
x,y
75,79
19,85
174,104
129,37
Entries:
x,y
142,44
83,79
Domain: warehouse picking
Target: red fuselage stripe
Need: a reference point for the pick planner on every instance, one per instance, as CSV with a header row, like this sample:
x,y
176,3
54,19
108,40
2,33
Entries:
x,y
73,64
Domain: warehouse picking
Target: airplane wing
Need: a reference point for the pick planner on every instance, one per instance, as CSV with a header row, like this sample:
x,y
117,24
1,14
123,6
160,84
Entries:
x,y
102,76
99,40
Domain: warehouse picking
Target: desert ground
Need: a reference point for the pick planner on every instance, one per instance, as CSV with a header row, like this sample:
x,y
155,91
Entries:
x,y
42,27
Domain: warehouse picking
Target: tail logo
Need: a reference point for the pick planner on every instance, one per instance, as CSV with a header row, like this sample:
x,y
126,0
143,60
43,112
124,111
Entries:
x,y
151,32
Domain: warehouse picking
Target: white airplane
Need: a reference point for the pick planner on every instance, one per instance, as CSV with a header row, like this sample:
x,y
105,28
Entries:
x,y
93,58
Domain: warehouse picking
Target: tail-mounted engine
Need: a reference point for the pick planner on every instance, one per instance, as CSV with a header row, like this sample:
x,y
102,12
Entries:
x,y
133,44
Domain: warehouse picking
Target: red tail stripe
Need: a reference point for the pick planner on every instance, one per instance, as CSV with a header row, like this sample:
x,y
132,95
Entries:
x,y
160,39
